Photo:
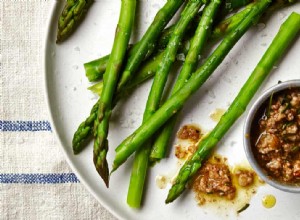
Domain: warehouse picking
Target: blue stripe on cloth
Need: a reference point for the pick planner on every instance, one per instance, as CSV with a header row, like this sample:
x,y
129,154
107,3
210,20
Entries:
x,y
25,126
38,178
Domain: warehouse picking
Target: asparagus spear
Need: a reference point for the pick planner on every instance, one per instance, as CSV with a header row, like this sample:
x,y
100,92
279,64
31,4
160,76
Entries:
x,y
123,32
147,42
140,164
95,69
288,31
172,105
84,131
71,16
160,144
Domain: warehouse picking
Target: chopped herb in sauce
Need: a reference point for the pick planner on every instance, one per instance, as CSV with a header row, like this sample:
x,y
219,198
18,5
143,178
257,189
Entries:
x,y
243,208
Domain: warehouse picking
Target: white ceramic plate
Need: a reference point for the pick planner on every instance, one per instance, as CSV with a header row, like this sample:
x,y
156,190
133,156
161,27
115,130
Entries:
x,y
70,102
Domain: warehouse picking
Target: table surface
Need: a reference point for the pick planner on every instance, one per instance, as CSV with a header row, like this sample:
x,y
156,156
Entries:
x,y
35,180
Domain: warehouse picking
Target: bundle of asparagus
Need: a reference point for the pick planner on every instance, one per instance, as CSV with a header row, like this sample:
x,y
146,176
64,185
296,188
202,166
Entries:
x,y
96,68
154,55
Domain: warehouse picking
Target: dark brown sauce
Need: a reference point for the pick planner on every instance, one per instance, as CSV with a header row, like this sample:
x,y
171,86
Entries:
x,y
271,124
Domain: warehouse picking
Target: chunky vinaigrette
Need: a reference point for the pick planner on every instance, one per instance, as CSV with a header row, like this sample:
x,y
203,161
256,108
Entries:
x,y
216,184
189,136
215,178
275,136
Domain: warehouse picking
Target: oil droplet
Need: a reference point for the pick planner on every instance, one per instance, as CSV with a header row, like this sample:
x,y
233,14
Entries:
x,y
269,201
217,114
161,181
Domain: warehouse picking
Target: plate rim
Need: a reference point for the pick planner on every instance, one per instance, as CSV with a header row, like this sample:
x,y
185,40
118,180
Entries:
x,y
50,22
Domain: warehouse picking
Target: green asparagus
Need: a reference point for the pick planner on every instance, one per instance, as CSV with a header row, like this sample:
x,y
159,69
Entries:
x,y
71,16
160,144
288,31
172,105
95,69
147,42
140,164
122,37
84,131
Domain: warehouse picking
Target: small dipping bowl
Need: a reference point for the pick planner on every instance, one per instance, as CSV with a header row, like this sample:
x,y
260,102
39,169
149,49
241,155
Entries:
x,y
247,136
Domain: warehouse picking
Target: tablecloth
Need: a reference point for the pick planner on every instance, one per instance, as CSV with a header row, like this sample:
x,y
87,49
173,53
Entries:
x,y
35,180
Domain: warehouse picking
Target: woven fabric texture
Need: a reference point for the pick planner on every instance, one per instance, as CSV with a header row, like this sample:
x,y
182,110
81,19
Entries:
x,y
35,180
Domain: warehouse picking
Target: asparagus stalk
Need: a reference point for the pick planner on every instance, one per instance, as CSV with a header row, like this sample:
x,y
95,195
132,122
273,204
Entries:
x,y
71,16
140,164
148,41
123,32
160,144
172,105
288,31
95,69
84,131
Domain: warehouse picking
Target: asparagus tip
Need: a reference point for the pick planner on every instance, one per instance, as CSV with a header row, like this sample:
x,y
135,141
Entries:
x,y
168,200
75,152
113,169
105,177
102,169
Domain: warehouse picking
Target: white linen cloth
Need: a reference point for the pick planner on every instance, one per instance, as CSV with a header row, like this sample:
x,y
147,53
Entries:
x,y
35,180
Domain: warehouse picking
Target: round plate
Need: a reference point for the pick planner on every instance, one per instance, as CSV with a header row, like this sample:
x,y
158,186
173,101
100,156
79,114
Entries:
x,y
69,103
